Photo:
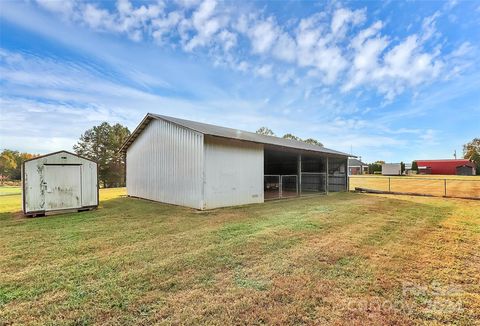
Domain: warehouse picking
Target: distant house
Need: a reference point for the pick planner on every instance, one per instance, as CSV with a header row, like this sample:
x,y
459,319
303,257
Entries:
x,y
446,167
391,169
408,168
356,167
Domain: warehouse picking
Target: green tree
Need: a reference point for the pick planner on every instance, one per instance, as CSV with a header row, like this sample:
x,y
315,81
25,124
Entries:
x,y
291,136
313,142
471,151
265,131
8,163
101,144
11,163
375,167
414,166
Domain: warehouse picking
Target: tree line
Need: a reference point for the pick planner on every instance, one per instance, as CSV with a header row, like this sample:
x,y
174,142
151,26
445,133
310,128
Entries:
x,y
11,164
102,144
269,132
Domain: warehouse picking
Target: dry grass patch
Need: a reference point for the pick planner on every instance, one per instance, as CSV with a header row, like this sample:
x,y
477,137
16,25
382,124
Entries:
x,y
433,185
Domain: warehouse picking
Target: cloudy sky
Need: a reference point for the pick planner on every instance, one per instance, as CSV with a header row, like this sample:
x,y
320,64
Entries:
x,y
387,80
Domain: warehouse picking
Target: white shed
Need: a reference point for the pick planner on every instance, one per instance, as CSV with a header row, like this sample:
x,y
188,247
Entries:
x,y
59,181
391,169
203,166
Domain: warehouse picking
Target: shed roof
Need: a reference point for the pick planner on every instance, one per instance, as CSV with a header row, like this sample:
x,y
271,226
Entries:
x,y
58,152
229,133
355,162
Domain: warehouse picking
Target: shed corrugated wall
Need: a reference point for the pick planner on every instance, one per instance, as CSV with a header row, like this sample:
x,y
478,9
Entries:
x,y
34,175
391,169
165,163
233,172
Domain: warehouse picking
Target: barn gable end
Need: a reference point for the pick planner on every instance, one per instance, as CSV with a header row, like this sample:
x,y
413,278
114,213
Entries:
x,y
165,163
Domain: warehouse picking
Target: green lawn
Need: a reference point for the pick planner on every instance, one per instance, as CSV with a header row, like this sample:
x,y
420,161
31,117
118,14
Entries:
x,y
343,258
10,190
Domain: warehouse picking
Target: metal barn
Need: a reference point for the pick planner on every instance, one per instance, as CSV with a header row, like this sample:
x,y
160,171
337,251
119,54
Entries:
x,y
447,167
204,166
59,181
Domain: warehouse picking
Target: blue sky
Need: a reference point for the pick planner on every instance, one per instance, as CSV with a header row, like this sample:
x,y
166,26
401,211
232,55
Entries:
x,y
386,80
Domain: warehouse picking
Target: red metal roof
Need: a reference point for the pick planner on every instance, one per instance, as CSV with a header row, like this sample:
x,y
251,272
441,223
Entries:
x,y
444,166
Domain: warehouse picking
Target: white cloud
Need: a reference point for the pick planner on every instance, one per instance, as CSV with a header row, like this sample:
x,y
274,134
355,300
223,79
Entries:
x,y
327,46
285,48
343,16
392,70
264,70
428,26
263,34
162,26
316,49
287,76
65,7
97,18
466,48
205,24
227,39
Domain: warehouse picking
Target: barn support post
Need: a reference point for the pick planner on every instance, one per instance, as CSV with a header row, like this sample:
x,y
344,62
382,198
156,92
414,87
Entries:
x,y
280,186
299,178
346,175
326,178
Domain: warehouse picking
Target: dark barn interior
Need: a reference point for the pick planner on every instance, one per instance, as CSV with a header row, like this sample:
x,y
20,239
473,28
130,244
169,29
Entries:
x,y
290,173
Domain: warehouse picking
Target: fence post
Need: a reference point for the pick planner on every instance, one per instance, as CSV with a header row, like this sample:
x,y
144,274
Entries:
x,y
299,175
389,184
445,186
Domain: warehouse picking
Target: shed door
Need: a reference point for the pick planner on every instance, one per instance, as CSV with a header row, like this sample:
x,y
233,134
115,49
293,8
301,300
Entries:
x,y
62,187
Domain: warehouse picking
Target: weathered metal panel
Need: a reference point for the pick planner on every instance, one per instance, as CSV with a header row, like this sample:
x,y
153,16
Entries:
x,y
64,187
391,169
233,172
46,186
165,164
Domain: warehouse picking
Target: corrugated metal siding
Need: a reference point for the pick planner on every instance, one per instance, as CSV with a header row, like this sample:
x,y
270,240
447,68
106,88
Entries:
x,y
391,169
89,183
233,173
34,175
165,164
445,166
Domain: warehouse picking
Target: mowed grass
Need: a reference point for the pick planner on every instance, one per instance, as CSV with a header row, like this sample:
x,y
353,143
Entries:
x,y
10,190
434,185
345,258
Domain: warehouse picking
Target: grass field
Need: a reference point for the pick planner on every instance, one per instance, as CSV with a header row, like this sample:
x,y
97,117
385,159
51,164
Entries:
x,y
344,258
456,186
10,190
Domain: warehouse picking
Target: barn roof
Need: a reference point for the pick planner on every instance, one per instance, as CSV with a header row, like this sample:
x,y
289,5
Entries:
x,y
452,162
229,133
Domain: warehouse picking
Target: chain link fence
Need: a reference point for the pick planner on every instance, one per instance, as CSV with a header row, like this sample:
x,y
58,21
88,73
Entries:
x,y
280,186
438,187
